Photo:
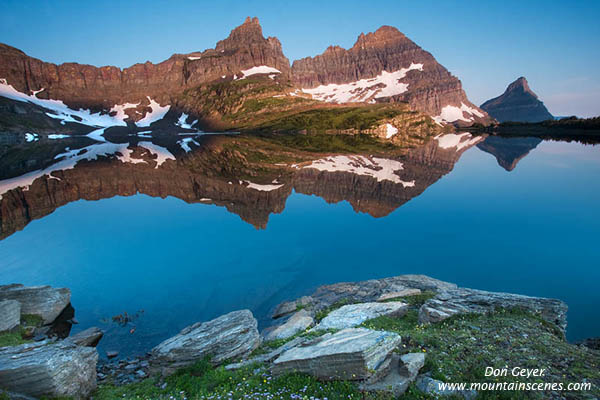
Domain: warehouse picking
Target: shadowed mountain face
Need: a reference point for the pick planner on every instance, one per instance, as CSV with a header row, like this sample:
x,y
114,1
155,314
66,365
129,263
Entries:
x,y
41,176
507,151
518,104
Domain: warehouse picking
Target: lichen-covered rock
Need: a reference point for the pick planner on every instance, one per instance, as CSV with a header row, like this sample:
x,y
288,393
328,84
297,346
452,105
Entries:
x,y
401,293
227,337
350,354
44,301
352,315
49,369
436,388
463,301
10,314
403,371
298,322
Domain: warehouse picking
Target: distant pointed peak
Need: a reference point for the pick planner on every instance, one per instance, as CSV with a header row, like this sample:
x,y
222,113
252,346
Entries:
x,y
522,85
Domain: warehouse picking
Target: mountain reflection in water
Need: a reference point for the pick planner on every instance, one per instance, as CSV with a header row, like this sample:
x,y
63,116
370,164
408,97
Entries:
x,y
40,176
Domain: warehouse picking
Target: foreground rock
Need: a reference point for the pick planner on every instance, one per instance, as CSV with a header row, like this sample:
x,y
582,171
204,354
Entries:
x,y
298,322
461,301
402,293
230,336
10,314
89,337
44,301
350,354
49,369
355,314
403,371
436,388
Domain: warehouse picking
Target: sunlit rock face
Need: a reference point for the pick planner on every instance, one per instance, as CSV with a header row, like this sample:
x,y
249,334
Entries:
x,y
518,104
45,176
130,92
386,66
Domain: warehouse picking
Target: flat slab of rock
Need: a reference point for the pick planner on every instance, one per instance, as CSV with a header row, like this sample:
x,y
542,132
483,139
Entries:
x,y
403,370
49,369
298,322
400,293
230,336
288,307
460,301
89,337
355,314
350,354
44,301
270,356
10,314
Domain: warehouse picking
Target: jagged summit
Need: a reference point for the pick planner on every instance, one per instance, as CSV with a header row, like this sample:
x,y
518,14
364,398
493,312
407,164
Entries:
x,y
381,37
518,103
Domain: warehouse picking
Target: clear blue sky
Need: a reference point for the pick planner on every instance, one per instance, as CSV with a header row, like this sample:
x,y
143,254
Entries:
x,y
555,44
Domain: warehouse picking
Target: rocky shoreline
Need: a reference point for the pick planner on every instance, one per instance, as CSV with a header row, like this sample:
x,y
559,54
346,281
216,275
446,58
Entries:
x,y
352,332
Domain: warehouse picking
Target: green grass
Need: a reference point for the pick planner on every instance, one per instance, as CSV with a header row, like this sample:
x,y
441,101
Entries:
x,y
337,118
13,338
202,381
460,348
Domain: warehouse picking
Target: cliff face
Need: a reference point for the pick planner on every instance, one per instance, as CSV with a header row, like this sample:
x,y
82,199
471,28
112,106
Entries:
x,y
387,66
100,88
384,66
518,104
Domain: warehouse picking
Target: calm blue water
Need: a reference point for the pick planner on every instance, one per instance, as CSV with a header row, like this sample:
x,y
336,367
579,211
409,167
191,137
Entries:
x,y
532,231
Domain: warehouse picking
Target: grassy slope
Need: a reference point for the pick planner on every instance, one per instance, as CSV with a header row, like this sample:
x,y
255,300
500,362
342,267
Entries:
x,y
259,103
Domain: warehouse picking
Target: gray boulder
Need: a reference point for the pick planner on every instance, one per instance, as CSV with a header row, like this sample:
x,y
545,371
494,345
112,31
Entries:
x,y
89,337
44,301
350,354
10,314
270,356
230,336
400,293
288,307
434,387
355,314
459,301
298,322
49,369
403,371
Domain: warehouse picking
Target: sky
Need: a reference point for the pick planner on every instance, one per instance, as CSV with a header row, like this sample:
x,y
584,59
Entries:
x,y
554,44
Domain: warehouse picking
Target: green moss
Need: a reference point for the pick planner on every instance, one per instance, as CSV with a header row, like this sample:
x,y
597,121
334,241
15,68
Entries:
x,y
416,300
13,338
324,312
31,320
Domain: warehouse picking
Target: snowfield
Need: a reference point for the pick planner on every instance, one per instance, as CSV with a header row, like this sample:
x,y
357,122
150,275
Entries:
x,y
386,84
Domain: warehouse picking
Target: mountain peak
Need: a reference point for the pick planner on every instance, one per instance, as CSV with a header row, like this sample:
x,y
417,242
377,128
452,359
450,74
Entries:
x,y
249,32
518,103
521,85
382,36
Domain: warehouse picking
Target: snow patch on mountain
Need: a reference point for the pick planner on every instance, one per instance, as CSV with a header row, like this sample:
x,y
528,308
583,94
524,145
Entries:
x,y
182,122
386,84
453,113
158,112
263,69
451,140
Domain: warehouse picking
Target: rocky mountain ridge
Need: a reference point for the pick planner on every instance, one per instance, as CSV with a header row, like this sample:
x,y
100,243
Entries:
x,y
517,104
385,65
